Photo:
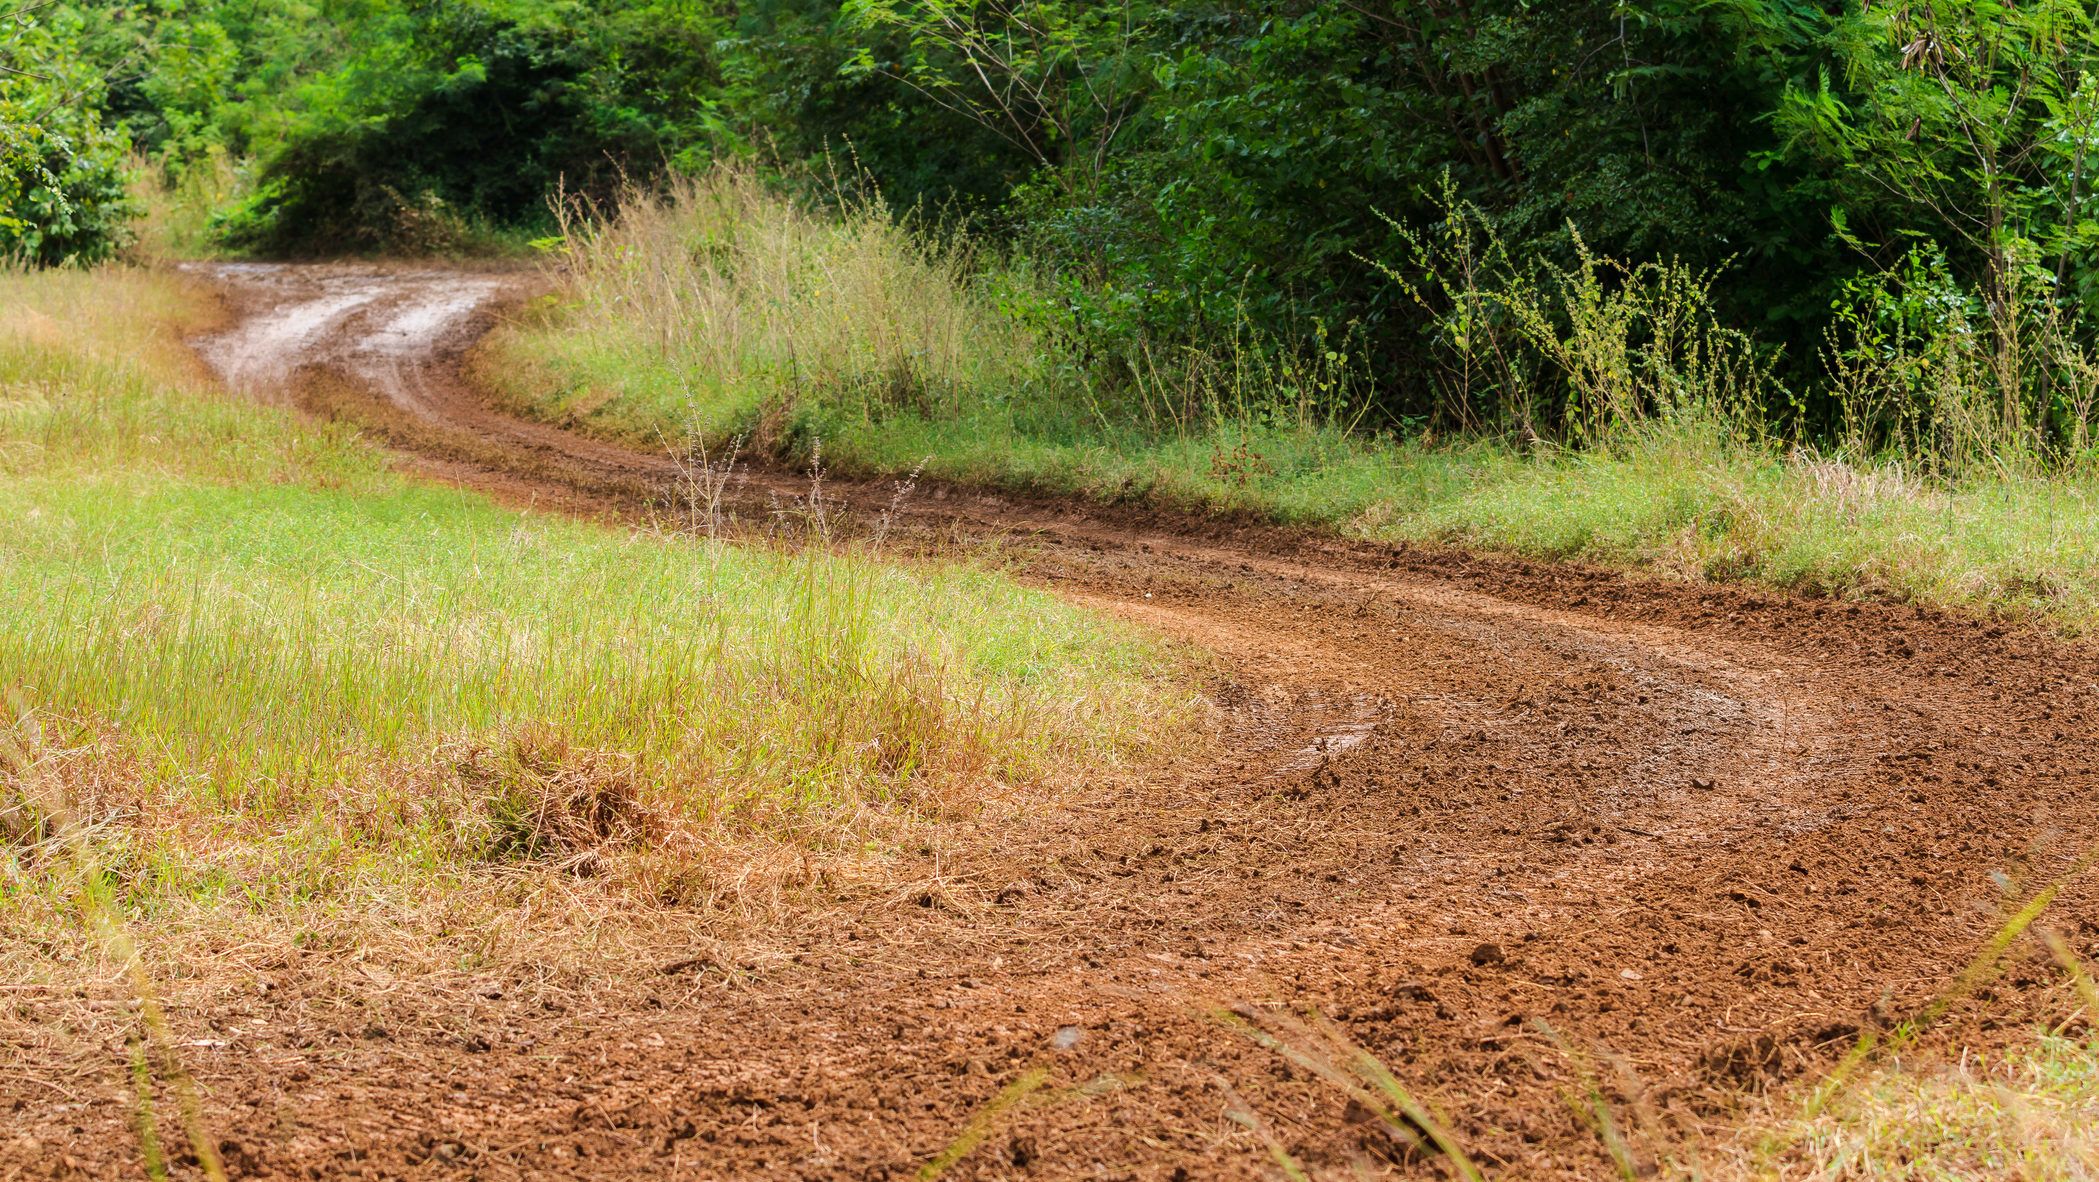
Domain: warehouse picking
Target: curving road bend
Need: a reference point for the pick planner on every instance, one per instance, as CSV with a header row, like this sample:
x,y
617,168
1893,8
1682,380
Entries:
x,y
1505,823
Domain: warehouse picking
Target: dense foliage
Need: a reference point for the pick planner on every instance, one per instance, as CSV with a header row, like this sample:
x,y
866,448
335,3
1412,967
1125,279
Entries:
x,y
62,184
1179,173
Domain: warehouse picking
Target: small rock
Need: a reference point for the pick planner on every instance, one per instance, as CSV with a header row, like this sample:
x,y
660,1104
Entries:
x,y
1487,954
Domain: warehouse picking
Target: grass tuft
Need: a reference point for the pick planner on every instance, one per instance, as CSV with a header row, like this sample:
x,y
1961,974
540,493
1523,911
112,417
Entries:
x,y
2030,1114
740,311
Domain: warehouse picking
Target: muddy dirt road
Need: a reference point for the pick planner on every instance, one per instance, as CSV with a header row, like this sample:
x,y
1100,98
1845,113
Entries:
x,y
1495,819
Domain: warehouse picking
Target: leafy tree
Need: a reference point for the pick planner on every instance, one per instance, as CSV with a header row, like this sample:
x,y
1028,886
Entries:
x,y
1202,166
444,112
63,195
1973,122
1968,132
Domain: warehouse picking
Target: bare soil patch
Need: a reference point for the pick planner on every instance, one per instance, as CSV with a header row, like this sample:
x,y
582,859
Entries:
x,y
1480,812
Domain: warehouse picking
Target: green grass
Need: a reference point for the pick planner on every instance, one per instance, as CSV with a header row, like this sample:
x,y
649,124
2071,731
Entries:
x,y
265,668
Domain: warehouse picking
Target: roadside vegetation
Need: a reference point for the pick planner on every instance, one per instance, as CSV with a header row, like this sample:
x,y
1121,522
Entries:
x,y
727,310
255,671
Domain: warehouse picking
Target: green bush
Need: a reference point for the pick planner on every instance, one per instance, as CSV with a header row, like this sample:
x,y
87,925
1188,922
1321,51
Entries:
x,y
63,184
450,114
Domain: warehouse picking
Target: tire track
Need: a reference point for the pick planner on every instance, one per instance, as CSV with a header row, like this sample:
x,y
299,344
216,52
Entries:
x,y
1707,834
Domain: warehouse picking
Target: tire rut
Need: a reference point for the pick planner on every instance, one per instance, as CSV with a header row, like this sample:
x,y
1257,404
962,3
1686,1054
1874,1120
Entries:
x,y
1496,818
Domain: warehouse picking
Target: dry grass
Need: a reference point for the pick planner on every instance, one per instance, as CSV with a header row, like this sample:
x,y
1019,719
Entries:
x,y
278,689
728,306
177,210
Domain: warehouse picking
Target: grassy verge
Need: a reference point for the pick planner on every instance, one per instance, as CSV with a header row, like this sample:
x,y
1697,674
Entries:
x,y
723,310
261,672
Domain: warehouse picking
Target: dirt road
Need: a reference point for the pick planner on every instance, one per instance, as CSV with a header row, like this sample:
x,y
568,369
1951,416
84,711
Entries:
x,y
1504,823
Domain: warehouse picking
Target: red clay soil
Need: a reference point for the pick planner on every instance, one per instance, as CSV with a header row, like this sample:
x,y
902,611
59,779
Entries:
x,y
1506,824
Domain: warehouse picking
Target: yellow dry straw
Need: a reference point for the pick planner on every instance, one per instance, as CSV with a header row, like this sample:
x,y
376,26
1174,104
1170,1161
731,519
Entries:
x,y
101,915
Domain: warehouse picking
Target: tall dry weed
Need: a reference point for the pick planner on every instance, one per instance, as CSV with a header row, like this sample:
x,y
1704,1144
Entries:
x,y
747,290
